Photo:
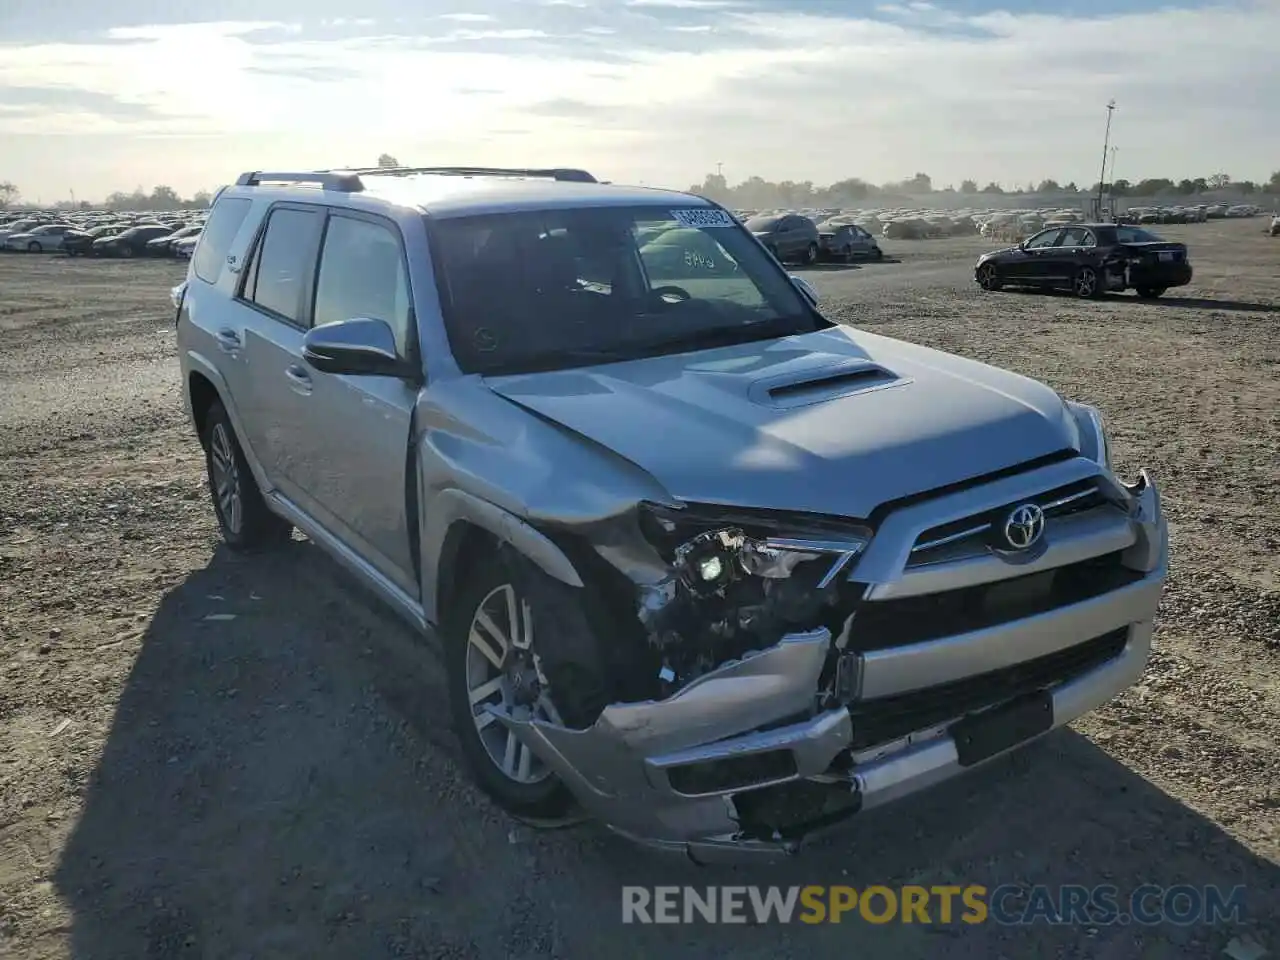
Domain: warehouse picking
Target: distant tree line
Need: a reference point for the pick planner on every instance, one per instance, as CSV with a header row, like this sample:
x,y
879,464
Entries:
x,y
160,198
758,192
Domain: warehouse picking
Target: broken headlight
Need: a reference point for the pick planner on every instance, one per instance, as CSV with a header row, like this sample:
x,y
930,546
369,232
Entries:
x,y
1093,432
740,580
709,547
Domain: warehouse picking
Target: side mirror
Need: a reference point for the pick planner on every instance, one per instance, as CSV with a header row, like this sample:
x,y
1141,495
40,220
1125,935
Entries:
x,y
361,346
806,288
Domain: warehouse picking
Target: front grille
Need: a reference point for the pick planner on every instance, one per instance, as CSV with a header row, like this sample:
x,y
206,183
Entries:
x,y
889,718
878,624
972,534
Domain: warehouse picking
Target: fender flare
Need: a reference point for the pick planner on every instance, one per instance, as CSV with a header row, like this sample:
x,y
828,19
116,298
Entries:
x,y
197,363
449,507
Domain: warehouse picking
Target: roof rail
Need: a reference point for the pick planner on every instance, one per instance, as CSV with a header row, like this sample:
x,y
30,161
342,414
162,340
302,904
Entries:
x,y
344,181
348,180
567,174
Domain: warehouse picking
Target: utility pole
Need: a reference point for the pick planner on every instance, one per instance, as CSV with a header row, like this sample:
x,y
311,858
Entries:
x,y
719,169
1106,146
1111,179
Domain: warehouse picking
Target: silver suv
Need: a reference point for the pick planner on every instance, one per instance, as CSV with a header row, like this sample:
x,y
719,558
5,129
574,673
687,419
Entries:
x,y
703,562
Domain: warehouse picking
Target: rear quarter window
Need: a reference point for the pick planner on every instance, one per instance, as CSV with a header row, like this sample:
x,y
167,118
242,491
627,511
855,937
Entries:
x,y
220,230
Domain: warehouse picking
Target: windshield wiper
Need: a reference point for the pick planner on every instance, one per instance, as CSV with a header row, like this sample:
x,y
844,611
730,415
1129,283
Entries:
x,y
562,359
707,337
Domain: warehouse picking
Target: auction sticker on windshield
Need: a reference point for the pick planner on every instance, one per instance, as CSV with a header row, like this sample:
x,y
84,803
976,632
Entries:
x,y
703,217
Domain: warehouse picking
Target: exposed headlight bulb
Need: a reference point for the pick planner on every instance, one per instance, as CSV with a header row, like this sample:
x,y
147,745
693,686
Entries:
x,y
711,568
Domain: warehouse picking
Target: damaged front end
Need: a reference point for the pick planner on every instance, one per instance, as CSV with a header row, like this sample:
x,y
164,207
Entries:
x,y
742,620
784,672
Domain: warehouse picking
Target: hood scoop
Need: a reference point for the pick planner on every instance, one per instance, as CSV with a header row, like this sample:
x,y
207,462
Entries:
x,y
823,384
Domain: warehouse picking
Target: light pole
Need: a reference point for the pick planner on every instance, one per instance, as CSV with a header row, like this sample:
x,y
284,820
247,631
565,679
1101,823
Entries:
x,y
1111,177
1106,145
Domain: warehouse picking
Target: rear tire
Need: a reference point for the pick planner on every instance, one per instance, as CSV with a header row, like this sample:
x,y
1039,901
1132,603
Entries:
x,y
1086,284
1151,293
243,517
810,255
551,646
126,251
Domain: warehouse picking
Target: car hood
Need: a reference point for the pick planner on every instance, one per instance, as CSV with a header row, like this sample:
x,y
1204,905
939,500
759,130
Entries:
x,y
1002,252
836,422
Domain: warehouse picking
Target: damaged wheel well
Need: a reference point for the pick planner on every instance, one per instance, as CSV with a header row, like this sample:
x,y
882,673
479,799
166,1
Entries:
x,y
464,545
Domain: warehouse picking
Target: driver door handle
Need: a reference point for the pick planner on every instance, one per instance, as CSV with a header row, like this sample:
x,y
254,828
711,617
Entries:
x,y
229,340
299,380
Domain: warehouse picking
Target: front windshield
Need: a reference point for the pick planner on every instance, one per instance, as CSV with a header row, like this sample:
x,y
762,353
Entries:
x,y
551,289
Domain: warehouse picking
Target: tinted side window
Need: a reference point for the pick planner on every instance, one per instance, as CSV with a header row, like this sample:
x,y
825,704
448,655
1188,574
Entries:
x,y
224,223
284,263
362,274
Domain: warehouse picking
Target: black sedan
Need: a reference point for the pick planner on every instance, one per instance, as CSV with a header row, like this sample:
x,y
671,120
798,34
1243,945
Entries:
x,y
1089,259
79,243
163,246
130,243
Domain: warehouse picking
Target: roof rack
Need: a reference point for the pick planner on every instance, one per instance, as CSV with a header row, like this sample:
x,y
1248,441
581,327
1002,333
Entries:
x,y
349,180
567,174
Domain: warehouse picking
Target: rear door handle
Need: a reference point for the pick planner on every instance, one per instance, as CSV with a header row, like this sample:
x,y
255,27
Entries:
x,y
229,340
299,381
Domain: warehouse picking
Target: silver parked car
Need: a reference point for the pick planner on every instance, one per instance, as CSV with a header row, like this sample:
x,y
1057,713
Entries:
x,y
708,565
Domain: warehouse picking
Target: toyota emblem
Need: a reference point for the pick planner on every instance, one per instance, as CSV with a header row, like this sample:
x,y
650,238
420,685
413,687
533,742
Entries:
x,y
1024,526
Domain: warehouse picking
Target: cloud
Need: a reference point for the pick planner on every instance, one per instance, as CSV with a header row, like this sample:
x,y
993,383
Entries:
x,y
658,90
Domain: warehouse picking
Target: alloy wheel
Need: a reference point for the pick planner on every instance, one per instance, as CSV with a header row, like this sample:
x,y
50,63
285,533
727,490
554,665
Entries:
x,y
225,474
503,672
1086,282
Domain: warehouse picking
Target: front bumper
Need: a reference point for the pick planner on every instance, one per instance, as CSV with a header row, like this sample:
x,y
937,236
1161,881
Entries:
x,y
685,773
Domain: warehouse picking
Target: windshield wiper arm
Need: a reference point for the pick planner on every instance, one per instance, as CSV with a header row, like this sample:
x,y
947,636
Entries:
x,y
707,337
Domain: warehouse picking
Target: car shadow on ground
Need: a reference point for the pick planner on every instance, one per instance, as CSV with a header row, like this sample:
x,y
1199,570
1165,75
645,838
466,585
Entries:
x,y
1208,303
279,781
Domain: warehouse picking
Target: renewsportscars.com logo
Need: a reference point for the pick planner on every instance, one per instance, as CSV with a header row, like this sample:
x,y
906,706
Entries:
x,y
1008,904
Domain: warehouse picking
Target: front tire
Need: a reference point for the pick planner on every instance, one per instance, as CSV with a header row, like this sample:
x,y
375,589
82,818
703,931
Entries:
x,y
34,247
989,278
519,641
1086,284
126,252
243,517
810,255
1150,293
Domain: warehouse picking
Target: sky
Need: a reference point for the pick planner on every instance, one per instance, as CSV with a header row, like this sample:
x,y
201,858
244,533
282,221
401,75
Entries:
x,y
104,95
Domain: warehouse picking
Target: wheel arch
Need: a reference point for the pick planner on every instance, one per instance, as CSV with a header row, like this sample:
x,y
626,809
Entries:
x,y
201,396
456,524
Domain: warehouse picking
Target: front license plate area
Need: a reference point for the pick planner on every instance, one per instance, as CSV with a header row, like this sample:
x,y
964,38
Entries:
x,y
1166,255
993,731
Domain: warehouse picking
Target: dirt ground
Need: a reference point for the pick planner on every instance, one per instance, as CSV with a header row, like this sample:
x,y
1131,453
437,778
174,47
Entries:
x,y
208,756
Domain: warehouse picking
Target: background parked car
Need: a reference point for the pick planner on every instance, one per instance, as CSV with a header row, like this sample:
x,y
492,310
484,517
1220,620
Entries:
x,y
847,241
163,246
131,243
19,226
789,236
79,243
184,248
38,239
